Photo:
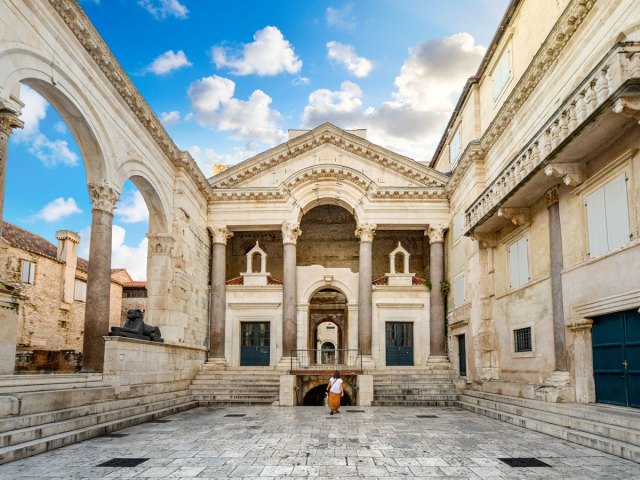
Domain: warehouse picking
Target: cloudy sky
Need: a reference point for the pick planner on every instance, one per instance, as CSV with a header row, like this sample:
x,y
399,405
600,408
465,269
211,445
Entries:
x,y
228,79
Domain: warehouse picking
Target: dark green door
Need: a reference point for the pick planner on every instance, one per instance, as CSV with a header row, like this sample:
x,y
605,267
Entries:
x,y
399,343
616,358
462,356
255,346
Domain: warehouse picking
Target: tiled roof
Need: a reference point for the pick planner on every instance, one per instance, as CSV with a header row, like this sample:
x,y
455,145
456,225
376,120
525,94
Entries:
x,y
134,284
383,281
239,281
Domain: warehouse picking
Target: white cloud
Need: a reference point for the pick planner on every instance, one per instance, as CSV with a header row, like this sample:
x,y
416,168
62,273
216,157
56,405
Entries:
x,y
60,127
413,120
268,54
168,62
346,55
134,259
298,81
132,209
49,152
341,18
57,209
216,108
206,158
162,9
170,118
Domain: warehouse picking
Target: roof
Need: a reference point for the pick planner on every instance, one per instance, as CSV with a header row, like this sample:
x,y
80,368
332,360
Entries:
x,y
383,281
239,281
134,284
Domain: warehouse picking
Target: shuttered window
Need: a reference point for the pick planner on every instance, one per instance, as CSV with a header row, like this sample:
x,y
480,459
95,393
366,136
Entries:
x,y
458,290
519,263
454,148
28,271
608,217
80,291
501,73
457,226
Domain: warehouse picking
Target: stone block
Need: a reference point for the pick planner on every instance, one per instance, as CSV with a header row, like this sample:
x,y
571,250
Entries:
x,y
9,405
365,390
287,390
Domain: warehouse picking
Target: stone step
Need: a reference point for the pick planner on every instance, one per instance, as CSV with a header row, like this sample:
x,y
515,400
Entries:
x,y
413,393
221,400
33,447
38,382
8,424
597,424
26,403
442,401
604,444
28,434
218,386
212,381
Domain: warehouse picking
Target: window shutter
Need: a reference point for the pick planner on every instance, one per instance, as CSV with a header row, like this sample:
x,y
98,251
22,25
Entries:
x,y
32,272
596,223
457,226
617,212
458,290
523,260
514,276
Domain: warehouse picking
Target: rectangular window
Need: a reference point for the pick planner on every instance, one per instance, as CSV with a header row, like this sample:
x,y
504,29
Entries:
x,y
80,291
608,217
522,340
519,263
454,148
458,226
28,271
501,73
458,290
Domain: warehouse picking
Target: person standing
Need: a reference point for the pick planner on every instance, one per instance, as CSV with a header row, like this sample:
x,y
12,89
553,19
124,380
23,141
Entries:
x,y
336,392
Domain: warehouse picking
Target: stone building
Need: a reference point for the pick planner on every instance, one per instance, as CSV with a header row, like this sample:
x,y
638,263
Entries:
x,y
49,283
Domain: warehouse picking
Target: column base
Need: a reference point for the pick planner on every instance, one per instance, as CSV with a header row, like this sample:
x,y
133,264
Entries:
x,y
556,388
217,363
437,359
368,363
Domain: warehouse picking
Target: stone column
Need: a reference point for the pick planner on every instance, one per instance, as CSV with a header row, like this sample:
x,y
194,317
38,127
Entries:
x,y
436,269
217,315
8,121
96,315
290,234
583,360
365,276
555,253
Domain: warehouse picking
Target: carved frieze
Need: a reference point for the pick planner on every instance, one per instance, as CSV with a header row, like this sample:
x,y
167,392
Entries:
x,y
103,196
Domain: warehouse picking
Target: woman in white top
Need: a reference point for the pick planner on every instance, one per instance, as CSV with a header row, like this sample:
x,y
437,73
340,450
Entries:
x,y
336,392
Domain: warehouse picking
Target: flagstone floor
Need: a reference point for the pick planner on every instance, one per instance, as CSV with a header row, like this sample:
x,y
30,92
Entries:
x,y
361,442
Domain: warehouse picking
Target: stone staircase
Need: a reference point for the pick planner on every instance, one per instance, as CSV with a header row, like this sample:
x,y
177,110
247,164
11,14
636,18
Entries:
x,y
33,422
236,386
430,385
610,429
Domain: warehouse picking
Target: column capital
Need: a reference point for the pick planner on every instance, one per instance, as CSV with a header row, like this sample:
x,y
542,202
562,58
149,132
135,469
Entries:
x,y
221,234
580,325
8,121
552,196
103,196
365,232
436,232
290,232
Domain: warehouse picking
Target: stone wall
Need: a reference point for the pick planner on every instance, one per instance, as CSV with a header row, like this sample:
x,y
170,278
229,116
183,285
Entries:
x,y
242,242
137,367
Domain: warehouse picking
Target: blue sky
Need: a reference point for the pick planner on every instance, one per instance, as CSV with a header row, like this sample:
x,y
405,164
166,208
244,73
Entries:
x,y
229,78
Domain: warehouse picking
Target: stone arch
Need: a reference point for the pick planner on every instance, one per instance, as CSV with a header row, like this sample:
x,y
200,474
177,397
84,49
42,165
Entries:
x,y
314,387
334,284
22,64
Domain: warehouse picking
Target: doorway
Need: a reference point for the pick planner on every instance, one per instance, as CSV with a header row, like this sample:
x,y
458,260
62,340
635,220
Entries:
x,y
255,346
399,343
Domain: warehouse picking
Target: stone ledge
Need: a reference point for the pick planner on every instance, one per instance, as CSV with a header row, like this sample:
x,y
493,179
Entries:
x,y
156,344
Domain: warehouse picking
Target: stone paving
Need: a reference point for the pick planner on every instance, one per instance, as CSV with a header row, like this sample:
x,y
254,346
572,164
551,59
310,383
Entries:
x,y
370,443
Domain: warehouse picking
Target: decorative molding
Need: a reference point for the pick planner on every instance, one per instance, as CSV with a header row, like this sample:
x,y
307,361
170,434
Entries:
x,y
552,196
290,232
486,240
436,233
629,107
221,234
518,216
572,174
563,30
103,197
80,25
365,232
580,325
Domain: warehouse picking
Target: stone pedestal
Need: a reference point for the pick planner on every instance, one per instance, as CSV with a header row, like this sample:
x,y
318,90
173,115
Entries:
x,y
288,391
583,360
365,390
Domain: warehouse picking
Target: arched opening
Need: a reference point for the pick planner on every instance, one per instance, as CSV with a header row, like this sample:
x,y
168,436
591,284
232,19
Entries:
x,y
398,259
256,262
327,325
316,396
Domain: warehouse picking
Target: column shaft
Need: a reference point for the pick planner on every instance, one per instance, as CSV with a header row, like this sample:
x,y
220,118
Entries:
x,y
436,268
8,121
364,297
289,299
218,302
555,253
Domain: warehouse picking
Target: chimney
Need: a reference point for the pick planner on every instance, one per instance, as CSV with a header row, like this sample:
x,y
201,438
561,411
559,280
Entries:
x,y
68,254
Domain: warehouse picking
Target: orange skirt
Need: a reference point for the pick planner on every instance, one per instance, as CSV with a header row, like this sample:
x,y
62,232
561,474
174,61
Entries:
x,y
334,401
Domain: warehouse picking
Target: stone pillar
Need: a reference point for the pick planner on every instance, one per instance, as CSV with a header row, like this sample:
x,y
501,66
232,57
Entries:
x,y
555,252
218,303
583,360
290,234
96,315
365,276
8,121
436,270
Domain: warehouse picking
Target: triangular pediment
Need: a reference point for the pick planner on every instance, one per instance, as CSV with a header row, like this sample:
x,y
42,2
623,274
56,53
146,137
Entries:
x,y
329,153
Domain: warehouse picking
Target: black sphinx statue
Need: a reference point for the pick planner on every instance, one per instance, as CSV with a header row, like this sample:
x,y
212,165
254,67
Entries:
x,y
135,327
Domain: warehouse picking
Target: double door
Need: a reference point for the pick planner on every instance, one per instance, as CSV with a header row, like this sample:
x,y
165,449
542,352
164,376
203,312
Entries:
x,y
616,358
255,344
399,343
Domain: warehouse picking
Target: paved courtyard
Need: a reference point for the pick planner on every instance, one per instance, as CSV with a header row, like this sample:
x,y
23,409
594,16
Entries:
x,y
371,443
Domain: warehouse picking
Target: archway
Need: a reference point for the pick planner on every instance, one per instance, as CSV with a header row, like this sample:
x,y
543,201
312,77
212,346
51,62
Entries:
x,y
328,321
316,397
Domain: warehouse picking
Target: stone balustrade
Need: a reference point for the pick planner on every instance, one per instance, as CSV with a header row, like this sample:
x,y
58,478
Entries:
x,y
621,64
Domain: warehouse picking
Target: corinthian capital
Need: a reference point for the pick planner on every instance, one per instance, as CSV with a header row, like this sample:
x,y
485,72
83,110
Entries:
x,y
103,197
366,232
436,232
290,232
221,234
8,121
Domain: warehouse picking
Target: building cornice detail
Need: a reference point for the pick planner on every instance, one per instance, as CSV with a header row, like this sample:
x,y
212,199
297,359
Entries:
x,y
82,28
572,17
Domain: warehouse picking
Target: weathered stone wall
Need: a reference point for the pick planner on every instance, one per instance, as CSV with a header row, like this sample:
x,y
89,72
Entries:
x,y
131,304
242,242
414,241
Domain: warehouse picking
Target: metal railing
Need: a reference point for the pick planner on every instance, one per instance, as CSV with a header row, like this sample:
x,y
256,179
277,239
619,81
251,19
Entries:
x,y
317,359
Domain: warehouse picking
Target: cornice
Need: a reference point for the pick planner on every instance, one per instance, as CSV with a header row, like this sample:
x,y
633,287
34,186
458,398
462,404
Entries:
x,y
80,25
549,51
322,135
